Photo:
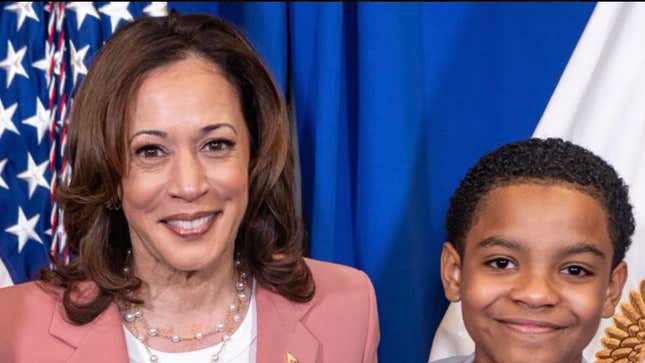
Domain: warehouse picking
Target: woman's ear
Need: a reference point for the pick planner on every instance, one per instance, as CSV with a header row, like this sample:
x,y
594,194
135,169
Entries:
x,y
451,271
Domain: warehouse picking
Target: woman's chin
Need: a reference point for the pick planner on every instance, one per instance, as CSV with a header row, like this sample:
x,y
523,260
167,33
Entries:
x,y
193,262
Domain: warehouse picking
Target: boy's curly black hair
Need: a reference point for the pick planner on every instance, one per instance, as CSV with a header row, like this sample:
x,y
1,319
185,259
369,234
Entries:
x,y
549,161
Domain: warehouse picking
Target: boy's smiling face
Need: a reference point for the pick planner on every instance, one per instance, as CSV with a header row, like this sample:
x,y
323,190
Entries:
x,y
536,274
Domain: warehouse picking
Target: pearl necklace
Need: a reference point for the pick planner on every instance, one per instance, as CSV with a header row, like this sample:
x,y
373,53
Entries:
x,y
132,315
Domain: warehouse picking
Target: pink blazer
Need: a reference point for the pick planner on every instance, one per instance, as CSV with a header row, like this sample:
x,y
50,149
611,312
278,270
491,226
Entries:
x,y
339,325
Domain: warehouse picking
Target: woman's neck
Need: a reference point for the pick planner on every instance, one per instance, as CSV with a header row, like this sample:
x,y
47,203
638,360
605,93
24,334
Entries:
x,y
185,302
169,292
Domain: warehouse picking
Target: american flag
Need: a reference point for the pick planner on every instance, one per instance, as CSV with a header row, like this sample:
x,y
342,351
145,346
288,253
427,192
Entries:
x,y
45,51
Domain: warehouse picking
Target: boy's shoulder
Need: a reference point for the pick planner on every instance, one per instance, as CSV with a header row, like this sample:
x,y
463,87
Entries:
x,y
457,359
467,359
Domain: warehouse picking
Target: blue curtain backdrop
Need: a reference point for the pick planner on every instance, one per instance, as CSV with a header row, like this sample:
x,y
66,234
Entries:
x,y
393,102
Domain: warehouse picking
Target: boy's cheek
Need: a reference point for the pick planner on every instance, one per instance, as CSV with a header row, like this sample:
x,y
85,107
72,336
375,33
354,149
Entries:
x,y
586,302
479,291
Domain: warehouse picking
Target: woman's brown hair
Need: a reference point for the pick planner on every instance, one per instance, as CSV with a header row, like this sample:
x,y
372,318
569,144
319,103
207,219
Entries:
x,y
269,240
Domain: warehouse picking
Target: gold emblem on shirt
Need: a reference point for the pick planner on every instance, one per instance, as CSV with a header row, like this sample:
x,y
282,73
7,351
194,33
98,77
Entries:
x,y
291,358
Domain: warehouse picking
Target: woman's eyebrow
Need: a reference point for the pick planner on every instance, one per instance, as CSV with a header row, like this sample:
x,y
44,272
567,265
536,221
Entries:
x,y
159,133
208,128
204,130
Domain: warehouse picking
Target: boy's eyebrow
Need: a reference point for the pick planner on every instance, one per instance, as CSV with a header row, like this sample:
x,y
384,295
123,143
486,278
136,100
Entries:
x,y
582,247
500,242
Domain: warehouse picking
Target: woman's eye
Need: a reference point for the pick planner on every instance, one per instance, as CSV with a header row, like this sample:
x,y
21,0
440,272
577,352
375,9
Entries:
x,y
501,263
218,145
150,151
576,270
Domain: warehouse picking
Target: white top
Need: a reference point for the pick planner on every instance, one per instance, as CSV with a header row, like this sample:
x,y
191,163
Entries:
x,y
240,349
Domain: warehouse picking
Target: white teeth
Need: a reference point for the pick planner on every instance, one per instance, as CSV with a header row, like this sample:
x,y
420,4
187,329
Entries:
x,y
192,224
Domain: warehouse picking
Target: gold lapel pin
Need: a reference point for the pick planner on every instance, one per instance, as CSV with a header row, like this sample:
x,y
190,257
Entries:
x,y
625,340
291,358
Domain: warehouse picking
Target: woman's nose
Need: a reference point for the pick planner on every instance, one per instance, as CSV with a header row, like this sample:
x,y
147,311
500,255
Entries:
x,y
188,177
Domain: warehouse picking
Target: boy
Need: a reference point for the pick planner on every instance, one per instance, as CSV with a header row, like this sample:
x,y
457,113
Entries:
x,y
536,235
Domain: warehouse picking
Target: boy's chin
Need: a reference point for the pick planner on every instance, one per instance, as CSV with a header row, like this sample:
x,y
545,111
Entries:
x,y
507,352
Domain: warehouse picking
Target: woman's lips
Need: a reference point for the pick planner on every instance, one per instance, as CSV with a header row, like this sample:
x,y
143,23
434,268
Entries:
x,y
188,226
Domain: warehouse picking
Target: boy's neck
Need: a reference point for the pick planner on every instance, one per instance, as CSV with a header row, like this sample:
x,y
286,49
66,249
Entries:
x,y
479,357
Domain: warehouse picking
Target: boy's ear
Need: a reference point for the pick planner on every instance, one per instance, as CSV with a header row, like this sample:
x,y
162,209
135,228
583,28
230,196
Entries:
x,y
614,289
451,272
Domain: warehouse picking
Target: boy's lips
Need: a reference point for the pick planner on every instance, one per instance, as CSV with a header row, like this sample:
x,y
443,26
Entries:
x,y
530,326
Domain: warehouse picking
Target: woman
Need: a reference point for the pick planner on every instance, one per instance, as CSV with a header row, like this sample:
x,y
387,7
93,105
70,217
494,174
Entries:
x,y
180,211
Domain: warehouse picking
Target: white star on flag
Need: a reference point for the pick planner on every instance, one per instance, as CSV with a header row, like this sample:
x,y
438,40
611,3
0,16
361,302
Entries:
x,y
24,229
82,10
116,11
34,175
5,119
23,10
40,120
156,8
3,184
77,60
13,63
44,63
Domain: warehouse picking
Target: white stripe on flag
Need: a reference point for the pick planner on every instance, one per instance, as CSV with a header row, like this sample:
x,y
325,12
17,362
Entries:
x,y
5,279
599,103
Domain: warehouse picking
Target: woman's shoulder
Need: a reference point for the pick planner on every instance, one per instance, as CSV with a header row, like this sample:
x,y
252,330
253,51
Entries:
x,y
28,295
342,292
31,304
25,314
32,315
336,278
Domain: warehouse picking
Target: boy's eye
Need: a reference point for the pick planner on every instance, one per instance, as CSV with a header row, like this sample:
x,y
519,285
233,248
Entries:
x,y
501,263
150,151
576,270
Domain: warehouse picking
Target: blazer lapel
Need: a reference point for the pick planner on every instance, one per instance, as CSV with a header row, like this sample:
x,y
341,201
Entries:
x,y
281,333
101,340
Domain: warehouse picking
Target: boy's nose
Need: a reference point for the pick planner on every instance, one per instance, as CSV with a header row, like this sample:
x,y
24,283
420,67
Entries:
x,y
534,291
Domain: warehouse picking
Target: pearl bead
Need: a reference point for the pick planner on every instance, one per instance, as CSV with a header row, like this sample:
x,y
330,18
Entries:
x,y
199,335
232,307
240,286
237,318
226,338
138,313
126,270
243,275
242,296
220,327
153,332
154,358
175,339
141,337
129,316
238,263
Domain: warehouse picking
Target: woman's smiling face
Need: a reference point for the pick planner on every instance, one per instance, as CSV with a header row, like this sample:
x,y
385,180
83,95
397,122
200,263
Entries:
x,y
185,190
